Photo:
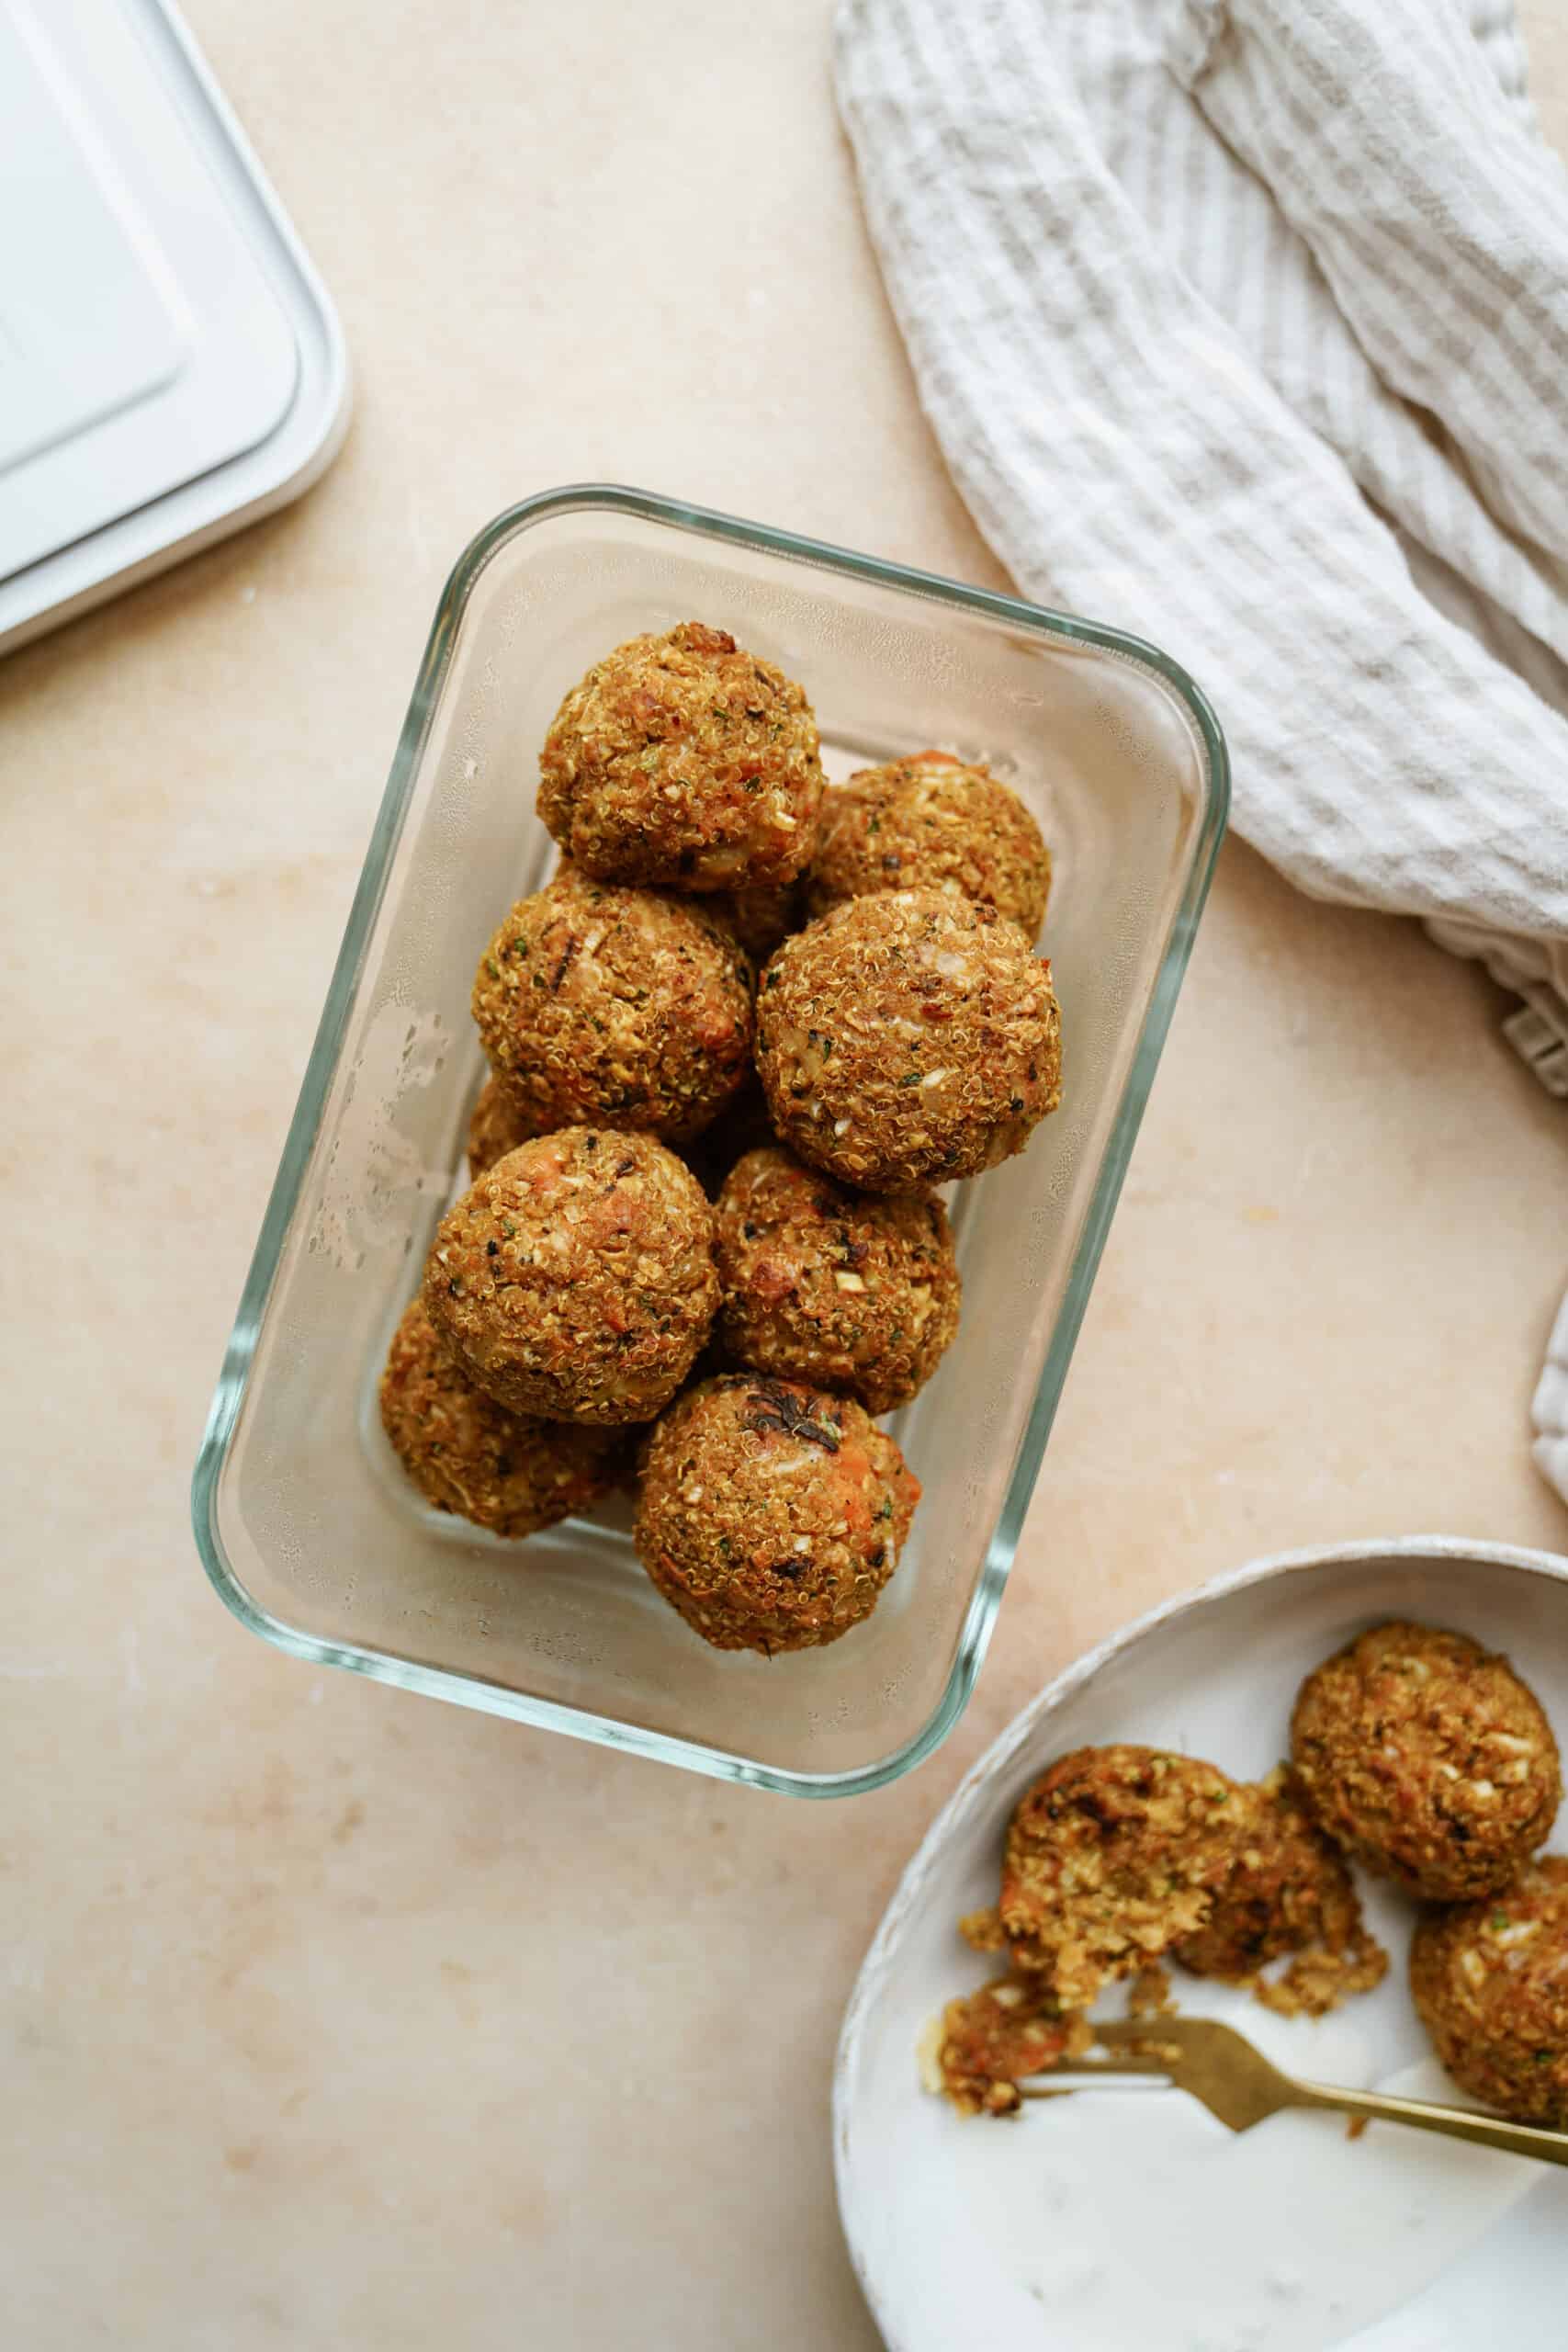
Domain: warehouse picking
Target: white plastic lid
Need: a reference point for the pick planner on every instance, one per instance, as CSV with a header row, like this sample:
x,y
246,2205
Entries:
x,y
170,367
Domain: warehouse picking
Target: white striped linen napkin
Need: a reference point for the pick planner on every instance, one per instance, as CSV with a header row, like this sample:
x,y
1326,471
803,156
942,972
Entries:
x,y
1243,324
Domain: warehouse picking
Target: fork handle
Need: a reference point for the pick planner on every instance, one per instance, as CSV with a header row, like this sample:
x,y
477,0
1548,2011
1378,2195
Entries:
x,y
1454,2122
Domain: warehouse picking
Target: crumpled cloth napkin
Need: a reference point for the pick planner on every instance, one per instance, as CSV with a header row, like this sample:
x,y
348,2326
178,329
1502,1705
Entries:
x,y
1244,323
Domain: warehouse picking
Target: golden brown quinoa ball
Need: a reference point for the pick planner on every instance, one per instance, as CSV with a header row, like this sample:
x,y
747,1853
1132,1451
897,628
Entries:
x,y
465,1453
495,1128
1490,1983
906,1038
854,1292
932,823
1426,1758
575,1280
685,760
742,1126
760,920
771,1514
623,1008
1287,1892
1114,1855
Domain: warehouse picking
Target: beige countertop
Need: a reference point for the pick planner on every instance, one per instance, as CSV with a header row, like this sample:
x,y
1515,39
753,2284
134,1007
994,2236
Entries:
x,y
337,2019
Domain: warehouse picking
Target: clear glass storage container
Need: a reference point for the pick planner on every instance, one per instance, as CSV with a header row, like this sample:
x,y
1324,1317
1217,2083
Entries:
x,y
304,1520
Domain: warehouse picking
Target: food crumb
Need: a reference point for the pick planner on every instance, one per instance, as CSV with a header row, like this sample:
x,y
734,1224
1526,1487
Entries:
x,y
1149,1994
987,2043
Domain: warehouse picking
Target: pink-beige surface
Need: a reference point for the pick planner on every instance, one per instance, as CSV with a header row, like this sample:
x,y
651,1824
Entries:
x,y
337,2018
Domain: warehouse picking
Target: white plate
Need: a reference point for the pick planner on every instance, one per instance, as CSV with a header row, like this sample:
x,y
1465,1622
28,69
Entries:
x,y
1128,2220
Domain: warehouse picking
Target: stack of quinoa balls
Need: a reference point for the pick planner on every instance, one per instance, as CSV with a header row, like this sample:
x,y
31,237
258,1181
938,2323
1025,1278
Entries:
x,y
734,1045
1416,1755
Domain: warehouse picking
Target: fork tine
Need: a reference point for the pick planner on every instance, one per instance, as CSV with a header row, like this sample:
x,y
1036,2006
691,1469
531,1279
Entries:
x,y
1127,2034
1129,2076
1086,2069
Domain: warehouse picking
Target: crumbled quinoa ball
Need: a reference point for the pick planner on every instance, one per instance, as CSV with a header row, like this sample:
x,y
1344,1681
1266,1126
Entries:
x,y
771,1514
906,1038
1287,1894
618,1008
1112,1857
1427,1759
682,760
574,1280
986,2043
1490,1983
932,823
855,1291
467,1454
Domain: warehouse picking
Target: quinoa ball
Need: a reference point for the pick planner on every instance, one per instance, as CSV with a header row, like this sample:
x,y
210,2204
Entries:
x,y
771,1514
1490,1983
742,1126
465,1453
932,823
623,1008
685,760
850,1291
495,1128
760,920
1114,1855
574,1280
906,1038
1287,1892
1426,1758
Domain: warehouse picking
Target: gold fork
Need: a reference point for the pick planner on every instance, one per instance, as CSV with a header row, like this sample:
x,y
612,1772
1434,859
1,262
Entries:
x,y
1237,2083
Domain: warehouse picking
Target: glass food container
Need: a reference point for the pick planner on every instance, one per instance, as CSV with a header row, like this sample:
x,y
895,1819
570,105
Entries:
x,y
306,1524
